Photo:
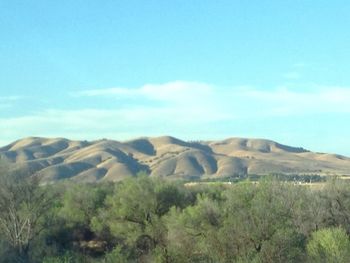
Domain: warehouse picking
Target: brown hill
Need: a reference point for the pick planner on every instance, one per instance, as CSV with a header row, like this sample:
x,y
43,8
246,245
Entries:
x,y
58,158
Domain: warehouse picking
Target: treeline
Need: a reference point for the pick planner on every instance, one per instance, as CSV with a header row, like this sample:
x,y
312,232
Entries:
x,y
296,178
144,219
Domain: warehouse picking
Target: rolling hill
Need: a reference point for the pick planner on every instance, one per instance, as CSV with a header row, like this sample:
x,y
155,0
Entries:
x,y
58,158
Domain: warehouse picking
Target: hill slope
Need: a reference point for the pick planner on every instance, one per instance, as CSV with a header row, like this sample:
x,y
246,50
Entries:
x,y
58,158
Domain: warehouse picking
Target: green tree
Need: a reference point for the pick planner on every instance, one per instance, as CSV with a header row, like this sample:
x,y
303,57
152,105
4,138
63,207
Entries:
x,y
115,256
134,213
336,203
329,245
82,201
193,232
256,216
24,211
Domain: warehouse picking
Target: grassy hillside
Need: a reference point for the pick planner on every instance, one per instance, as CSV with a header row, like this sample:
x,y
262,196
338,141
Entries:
x,y
168,157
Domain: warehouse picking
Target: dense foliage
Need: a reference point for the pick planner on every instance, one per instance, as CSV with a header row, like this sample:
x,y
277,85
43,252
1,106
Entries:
x,y
144,219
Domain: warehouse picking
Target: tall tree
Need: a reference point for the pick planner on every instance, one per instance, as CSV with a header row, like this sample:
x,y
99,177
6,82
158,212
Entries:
x,y
23,205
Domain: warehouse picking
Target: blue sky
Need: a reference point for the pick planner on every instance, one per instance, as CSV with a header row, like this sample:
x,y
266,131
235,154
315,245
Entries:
x,y
192,69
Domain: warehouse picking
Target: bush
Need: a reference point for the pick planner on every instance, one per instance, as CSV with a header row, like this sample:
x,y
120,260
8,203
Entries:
x,y
329,245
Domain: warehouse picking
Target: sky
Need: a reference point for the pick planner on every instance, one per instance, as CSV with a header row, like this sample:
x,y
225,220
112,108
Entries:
x,y
193,69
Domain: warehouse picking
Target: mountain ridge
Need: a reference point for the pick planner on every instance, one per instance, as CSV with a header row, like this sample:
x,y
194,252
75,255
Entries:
x,y
55,159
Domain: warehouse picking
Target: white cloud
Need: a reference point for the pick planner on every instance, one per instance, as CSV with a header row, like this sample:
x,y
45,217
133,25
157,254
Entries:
x,y
105,92
180,96
175,92
181,108
318,100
